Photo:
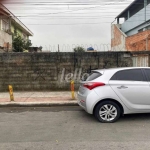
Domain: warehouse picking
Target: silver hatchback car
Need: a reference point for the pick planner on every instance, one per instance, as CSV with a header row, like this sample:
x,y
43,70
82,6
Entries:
x,y
110,93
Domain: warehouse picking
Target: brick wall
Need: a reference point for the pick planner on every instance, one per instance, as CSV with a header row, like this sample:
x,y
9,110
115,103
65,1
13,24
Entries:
x,y
43,71
138,41
118,39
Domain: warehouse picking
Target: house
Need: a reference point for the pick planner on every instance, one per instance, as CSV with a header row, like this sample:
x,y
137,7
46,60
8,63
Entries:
x,y
134,33
9,24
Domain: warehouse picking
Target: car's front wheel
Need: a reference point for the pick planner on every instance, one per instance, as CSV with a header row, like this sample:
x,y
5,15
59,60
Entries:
x,y
107,112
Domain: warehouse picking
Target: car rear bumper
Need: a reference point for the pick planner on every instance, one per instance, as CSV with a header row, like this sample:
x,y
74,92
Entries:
x,y
88,101
81,101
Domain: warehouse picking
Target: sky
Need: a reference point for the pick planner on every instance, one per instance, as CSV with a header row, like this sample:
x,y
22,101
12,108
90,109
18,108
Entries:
x,y
69,23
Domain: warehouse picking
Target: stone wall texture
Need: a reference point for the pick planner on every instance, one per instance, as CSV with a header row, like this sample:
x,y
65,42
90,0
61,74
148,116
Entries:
x,y
48,71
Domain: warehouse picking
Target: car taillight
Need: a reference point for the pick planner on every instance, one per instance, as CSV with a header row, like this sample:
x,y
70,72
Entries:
x,y
93,85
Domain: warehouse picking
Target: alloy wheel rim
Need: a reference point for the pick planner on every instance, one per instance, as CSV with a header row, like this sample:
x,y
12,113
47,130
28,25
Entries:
x,y
108,112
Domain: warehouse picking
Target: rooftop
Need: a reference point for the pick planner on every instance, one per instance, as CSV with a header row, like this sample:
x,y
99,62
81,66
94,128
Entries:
x,y
134,4
6,12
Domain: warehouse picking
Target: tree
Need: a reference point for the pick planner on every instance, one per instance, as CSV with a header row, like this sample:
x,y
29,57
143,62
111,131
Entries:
x,y
27,44
19,44
79,49
40,48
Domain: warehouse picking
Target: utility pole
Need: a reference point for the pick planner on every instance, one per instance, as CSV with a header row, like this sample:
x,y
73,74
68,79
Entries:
x,y
58,48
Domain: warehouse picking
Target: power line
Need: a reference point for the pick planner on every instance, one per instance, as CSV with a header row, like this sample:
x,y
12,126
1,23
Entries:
x,y
85,16
65,3
59,17
74,10
79,23
84,13
71,24
34,17
62,6
72,18
70,11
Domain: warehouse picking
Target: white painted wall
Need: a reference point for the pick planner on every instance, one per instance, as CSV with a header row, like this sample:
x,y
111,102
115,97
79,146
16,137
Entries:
x,y
5,38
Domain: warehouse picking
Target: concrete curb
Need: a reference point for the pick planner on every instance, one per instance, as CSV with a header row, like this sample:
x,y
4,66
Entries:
x,y
39,104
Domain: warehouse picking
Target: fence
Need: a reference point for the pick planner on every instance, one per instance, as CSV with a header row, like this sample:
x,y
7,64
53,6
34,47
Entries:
x,y
54,71
70,48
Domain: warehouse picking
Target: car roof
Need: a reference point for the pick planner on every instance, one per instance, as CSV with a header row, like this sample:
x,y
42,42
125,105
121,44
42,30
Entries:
x,y
120,68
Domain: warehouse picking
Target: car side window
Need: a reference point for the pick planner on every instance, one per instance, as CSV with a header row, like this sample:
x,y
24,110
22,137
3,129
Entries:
x,y
147,71
129,75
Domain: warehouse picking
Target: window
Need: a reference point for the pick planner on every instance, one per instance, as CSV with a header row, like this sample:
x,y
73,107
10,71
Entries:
x,y
136,7
148,27
144,29
5,25
129,75
141,30
93,76
148,73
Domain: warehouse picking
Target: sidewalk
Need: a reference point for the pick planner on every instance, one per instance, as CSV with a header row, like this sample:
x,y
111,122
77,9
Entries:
x,y
39,99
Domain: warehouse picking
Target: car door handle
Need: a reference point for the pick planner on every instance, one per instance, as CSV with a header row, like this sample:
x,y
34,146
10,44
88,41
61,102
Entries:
x,y
122,87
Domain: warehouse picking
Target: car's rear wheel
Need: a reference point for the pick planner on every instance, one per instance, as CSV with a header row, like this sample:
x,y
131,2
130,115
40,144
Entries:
x,y
107,112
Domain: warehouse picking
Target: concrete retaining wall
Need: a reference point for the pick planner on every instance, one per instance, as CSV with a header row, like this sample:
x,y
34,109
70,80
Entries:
x,y
49,71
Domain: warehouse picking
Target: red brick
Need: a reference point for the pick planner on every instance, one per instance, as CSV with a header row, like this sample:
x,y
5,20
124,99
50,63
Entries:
x,y
136,42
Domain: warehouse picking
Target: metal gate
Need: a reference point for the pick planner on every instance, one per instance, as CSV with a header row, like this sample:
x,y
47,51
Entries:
x,y
141,61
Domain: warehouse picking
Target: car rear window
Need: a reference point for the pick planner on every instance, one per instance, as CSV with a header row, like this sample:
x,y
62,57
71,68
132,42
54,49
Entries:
x,y
93,76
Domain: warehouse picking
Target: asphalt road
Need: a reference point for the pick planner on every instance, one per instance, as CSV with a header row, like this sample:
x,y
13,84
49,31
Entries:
x,y
70,128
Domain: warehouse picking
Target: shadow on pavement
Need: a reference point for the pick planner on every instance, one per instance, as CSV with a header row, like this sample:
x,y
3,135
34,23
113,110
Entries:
x,y
83,114
135,117
41,109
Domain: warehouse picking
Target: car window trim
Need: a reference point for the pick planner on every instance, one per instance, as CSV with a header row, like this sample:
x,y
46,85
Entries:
x,y
144,77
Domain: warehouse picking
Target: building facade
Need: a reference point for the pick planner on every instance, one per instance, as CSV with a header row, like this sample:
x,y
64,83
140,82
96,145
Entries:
x,y
9,24
134,33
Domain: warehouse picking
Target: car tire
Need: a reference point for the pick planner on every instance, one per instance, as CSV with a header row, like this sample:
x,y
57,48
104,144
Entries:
x,y
107,112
